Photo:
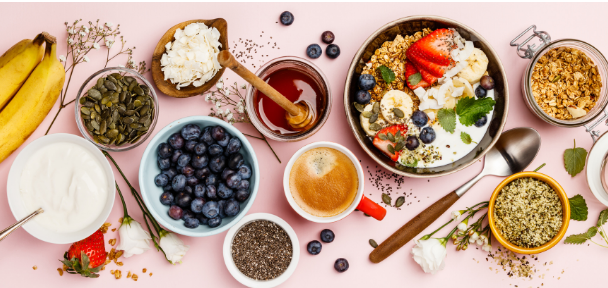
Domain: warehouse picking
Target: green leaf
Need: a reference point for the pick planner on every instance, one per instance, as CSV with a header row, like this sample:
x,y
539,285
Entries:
x,y
466,138
470,110
85,260
413,165
574,160
387,74
578,208
602,219
447,119
414,79
578,239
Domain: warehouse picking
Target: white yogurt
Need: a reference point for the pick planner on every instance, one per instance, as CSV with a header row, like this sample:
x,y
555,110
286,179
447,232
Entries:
x,y
68,182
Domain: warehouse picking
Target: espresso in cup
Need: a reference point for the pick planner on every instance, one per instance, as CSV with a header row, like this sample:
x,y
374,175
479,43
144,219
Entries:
x,y
323,182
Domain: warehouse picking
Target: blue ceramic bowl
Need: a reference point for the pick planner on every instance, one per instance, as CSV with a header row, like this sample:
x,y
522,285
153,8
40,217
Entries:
x,y
148,169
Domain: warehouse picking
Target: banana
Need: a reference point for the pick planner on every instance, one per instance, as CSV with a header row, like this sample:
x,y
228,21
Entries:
x,y
477,63
32,103
365,121
16,64
461,82
396,99
576,112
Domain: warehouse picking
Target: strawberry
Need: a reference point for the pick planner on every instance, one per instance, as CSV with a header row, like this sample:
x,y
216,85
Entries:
x,y
86,257
427,77
432,52
411,70
391,136
431,67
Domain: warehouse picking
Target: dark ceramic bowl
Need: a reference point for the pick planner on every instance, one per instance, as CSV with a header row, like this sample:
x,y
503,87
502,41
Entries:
x,y
407,26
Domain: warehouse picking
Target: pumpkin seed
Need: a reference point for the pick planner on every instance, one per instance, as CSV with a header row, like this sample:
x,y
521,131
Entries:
x,y
398,112
376,107
94,93
367,114
82,100
373,118
375,127
137,103
399,146
390,137
390,148
137,89
95,124
373,243
399,201
359,107
85,111
382,136
109,85
386,199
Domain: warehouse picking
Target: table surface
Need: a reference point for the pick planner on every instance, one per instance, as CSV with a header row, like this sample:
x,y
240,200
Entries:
x,y
143,24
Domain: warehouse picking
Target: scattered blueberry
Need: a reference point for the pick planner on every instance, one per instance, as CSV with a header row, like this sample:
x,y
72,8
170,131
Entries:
x,y
215,149
328,37
189,146
427,135
214,222
341,265
241,195
176,154
183,200
367,82
487,82
166,198
191,181
179,183
332,51
187,170
218,133
224,191
419,118
199,161
481,122
176,141
363,97
164,150
200,149
191,223
233,146
314,51
211,209
211,192
411,142
191,132
235,161
161,180
244,171
202,174
327,236
217,163
232,207
197,205
480,92
176,212
314,247
183,160
212,179
244,184
164,163
286,18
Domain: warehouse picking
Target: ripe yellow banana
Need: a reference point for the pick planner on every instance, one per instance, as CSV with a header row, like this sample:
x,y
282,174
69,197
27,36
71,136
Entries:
x,y
16,64
32,103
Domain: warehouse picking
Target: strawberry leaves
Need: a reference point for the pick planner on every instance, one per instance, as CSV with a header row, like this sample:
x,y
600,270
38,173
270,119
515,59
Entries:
x,y
574,160
387,74
76,267
470,110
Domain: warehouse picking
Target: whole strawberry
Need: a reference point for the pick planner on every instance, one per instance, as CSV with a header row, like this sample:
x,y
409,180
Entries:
x,y
86,257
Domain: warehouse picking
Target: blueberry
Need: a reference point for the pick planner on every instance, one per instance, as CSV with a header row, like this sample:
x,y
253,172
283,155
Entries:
x,y
197,205
206,136
411,143
224,191
187,170
211,209
179,183
363,97
227,172
367,82
211,192
164,163
188,214
202,219
176,212
214,222
166,198
427,135
224,142
200,149
487,82
188,189
314,51
183,200
480,92
183,160
218,133
244,184
176,141
217,163
244,171
202,173
212,179
327,236
161,180
241,195
171,172
233,181
191,223
286,18
189,146
332,51
167,188
176,154
482,121
199,162
314,247
222,204
164,150
232,208
215,149
419,118
191,181
199,190
233,146
341,265
328,37
191,132
235,161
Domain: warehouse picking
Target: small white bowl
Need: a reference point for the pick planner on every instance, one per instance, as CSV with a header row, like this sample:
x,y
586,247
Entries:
x,y
238,275
18,208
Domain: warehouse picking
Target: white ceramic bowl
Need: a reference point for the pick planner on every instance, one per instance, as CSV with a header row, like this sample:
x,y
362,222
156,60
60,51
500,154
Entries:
x,y
238,275
18,208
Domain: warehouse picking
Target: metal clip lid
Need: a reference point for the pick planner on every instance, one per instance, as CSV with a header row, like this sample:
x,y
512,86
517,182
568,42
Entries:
x,y
528,53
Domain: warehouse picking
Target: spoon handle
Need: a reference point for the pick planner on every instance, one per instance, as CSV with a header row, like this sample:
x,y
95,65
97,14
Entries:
x,y
412,228
4,233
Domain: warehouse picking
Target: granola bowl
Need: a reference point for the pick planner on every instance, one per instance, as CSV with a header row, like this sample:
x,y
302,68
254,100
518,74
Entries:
x,y
563,197
408,27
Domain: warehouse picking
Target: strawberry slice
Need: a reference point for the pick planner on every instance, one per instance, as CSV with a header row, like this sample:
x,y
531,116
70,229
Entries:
x,y
428,78
411,82
435,47
434,69
383,140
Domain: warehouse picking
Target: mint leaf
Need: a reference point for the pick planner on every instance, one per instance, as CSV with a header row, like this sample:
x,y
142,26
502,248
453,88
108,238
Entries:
x,y
412,164
578,239
602,219
414,79
574,160
578,208
466,138
470,109
447,119
387,74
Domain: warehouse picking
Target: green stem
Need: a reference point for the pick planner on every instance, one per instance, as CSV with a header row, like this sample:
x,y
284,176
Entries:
x,y
253,136
539,167
122,199
597,244
431,234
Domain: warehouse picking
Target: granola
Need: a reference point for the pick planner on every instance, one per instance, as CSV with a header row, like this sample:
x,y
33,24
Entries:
x,y
566,83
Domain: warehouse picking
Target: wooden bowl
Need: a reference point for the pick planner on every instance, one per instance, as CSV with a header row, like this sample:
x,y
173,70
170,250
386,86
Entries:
x,y
166,86
565,213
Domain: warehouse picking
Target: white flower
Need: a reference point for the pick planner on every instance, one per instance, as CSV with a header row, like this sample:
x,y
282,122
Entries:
x,y
230,116
240,108
462,226
86,58
109,43
227,111
62,58
174,248
85,29
71,31
456,215
479,242
244,86
475,236
120,65
70,41
486,247
220,84
96,45
208,98
218,104
109,24
134,240
430,254
82,33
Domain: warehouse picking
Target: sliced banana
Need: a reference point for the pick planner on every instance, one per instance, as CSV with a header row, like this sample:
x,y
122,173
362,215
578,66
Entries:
x,y
365,121
477,66
399,100
461,82
450,102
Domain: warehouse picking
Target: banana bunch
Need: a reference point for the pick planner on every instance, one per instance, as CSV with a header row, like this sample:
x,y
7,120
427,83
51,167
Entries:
x,y
33,83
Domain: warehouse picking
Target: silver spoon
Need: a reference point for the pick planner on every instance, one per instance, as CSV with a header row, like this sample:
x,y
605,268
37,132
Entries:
x,y
512,153
4,233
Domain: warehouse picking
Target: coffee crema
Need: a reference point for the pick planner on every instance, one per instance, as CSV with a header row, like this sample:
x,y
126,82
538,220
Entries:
x,y
323,181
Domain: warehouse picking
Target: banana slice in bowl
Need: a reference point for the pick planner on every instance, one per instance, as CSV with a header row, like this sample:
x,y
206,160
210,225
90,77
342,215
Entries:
x,y
396,106
477,64
366,124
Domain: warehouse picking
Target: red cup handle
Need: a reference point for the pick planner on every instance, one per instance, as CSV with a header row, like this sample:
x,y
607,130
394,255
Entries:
x,y
371,208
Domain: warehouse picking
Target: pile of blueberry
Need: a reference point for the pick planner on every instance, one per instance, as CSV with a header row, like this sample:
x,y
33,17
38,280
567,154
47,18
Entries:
x,y
203,175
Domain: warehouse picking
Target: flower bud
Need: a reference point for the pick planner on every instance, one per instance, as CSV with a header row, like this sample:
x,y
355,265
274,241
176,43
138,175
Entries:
x,y
479,242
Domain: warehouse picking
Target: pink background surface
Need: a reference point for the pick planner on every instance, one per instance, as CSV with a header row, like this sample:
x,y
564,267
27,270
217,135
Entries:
x,y
143,24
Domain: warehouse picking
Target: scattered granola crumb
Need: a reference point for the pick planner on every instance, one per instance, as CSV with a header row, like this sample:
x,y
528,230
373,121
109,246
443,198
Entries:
x,y
119,264
144,270
129,274
60,271
150,274
134,277
104,227
113,229
117,274
35,267
112,241
120,220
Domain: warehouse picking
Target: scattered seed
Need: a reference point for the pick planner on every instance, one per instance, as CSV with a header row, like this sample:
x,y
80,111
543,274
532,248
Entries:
x,y
60,271
35,267
373,243
400,201
112,241
144,270
129,274
386,199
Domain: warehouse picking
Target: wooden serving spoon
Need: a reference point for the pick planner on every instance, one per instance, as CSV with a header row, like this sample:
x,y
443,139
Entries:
x,y
299,115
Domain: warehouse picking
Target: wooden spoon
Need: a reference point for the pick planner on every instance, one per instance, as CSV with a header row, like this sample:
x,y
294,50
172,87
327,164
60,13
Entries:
x,y
299,115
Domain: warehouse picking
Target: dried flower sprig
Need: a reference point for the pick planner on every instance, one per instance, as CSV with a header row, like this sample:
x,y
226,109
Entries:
x,y
232,100
81,40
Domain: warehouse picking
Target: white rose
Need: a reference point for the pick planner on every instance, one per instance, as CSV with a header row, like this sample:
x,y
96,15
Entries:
x,y
174,248
134,240
430,254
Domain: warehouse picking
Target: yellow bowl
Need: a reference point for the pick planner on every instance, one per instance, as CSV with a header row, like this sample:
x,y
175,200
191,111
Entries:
x,y
565,206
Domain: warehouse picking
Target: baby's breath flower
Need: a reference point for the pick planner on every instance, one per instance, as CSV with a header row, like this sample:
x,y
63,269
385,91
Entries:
x,y
62,58
120,65
244,86
85,58
96,45
218,104
71,31
207,98
82,33
109,24
109,43
70,41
